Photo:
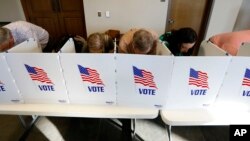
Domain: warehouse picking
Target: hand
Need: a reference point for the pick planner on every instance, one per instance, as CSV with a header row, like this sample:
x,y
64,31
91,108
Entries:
x,y
80,39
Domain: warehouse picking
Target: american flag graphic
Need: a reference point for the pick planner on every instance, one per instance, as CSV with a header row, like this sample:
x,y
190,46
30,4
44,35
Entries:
x,y
198,78
144,77
246,79
38,74
90,75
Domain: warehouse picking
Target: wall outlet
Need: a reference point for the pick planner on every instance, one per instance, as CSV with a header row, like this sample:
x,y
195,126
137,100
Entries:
x,y
99,14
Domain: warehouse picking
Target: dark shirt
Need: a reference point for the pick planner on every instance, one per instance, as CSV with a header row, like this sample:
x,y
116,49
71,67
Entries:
x,y
169,41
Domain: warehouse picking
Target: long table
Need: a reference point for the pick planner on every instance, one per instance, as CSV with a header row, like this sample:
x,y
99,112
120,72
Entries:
x,y
70,110
204,116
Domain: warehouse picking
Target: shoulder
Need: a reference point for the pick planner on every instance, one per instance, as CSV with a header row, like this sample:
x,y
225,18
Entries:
x,y
122,49
130,33
20,23
127,38
165,36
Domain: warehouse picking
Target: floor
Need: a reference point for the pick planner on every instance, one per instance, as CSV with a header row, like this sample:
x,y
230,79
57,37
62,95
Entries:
x,y
87,129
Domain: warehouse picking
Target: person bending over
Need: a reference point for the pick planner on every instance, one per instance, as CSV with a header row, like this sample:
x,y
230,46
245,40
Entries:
x,y
17,32
180,42
231,41
96,43
139,41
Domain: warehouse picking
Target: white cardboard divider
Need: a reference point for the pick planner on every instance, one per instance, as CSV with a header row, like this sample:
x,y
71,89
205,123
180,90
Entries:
x,y
196,81
28,46
166,51
68,47
235,92
8,90
97,84
244,50
39,77
143,80
207,48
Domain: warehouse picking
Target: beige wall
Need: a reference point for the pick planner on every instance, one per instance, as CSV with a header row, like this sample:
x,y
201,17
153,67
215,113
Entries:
x,y
11,10
125,14
223,16
243,19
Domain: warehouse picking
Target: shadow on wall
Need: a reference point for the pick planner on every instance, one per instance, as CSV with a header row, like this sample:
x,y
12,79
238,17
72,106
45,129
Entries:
x,y
3,23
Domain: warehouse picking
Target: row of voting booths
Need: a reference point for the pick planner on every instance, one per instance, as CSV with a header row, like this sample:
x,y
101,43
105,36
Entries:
x,y
164,82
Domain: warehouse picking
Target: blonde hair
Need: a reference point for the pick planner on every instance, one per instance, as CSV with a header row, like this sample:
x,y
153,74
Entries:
x,y
4,34
99,43
95,43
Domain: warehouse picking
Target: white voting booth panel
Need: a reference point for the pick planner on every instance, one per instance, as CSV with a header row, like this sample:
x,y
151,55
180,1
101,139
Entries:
x,y
90,78
235,92
8,90
166,51
143,80
196,81
244,50
68,47
28,46
207,48
39,77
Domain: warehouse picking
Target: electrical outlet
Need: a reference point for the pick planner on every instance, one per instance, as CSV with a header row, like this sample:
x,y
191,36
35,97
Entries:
x,y
99,14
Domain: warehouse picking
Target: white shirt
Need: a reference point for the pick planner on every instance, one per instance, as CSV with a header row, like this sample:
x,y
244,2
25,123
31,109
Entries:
x,y
22,31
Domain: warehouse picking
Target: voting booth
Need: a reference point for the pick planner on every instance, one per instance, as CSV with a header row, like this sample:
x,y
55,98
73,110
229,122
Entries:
x,y
122,79
196,81
143,80
9,93
38,77
207,48
29,46
235,92
90,78
68,47
166,51
244,50
206,90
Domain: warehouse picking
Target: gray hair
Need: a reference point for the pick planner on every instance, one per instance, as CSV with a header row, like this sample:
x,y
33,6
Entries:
x,y
143,40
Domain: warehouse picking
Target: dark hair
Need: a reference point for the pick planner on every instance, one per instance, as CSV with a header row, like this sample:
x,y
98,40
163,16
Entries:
x,y
186,35
178,37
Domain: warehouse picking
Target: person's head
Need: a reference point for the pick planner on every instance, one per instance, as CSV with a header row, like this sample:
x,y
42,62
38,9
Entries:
x,y
143,42
6,39
96,43
186,39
